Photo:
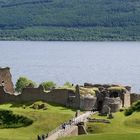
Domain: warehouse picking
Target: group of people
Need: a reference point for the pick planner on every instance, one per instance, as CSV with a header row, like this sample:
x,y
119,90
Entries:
x,y
63,126
42,137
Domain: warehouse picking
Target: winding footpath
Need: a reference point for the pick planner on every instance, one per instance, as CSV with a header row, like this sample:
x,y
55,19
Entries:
x,y
70,127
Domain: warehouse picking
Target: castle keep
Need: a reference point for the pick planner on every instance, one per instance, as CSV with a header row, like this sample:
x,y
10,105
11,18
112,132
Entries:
x,y
6,80
104,98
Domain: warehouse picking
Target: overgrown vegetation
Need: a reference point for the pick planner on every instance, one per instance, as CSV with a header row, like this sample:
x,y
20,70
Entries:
x,y
68,85
117,89
69,20
134,108
23,82
87,91
48,85
10,120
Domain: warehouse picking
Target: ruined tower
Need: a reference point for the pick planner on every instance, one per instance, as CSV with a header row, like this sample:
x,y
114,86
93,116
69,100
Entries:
x,y
6,80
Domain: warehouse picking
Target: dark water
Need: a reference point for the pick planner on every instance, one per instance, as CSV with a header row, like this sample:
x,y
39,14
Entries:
x,y
76,62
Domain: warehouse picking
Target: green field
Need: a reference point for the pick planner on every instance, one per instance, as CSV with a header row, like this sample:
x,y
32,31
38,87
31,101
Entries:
x,y
44,121
120,128
69,20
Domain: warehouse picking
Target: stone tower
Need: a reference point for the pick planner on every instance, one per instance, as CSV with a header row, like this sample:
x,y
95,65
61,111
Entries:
x,y
6,80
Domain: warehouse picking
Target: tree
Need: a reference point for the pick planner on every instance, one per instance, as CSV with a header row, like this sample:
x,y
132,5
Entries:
x,y
48,85
68,84
23,82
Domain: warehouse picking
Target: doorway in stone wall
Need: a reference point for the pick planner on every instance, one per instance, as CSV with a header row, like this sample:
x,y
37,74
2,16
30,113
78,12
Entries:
x,y
99,105
114,94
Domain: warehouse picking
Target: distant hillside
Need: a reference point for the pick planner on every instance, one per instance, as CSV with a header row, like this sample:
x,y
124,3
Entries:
x,y
69,20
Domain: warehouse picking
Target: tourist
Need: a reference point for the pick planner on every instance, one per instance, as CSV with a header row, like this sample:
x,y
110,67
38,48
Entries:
x,y
38,137
43,137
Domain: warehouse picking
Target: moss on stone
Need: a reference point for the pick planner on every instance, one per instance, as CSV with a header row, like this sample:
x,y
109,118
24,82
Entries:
x,y
117,88
96,89
86,91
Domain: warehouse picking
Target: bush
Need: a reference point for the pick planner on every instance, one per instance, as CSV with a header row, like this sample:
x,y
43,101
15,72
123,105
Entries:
x,y
48,85
68,84
128,111
122,109
10,120
135,107
23,82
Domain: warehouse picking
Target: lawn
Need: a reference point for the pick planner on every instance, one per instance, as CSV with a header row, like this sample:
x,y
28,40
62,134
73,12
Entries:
x,y
120,128
44,121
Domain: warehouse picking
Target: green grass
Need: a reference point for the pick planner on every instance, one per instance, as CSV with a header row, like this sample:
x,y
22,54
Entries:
x,y
120,128
44,121
107,137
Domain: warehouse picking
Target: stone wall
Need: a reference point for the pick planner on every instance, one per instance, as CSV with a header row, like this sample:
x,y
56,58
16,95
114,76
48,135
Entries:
x,y
70,98
87,103
113,103
58,96
134,97
126,100
6,80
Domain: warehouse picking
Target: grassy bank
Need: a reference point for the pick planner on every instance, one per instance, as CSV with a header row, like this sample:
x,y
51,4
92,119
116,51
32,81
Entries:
x,y
44,121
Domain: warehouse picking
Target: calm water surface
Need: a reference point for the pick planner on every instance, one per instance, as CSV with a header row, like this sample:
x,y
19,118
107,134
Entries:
x,y
76,62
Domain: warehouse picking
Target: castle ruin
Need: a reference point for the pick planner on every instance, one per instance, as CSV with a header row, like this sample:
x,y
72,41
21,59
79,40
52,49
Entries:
x,y
103,98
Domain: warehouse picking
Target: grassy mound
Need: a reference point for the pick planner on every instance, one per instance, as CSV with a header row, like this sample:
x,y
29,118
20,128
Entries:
x,y
133,121
10,120
39,105
44,120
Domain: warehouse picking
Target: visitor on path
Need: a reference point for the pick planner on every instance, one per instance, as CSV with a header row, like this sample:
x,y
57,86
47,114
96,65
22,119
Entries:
x,y
38,137
43,137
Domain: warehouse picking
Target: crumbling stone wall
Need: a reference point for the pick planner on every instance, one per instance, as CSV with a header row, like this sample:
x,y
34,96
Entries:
x,y
6,97
6,80
30,94
113,103
134,97
126,100
70,98
87,103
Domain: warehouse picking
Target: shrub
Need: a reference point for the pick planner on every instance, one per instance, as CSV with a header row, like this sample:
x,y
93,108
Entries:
x,y
10,120
48,85
68,84
122,109
135,107
23,82
128,111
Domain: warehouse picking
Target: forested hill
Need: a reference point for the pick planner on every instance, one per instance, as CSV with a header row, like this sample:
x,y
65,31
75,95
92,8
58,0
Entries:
x,y
70,20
